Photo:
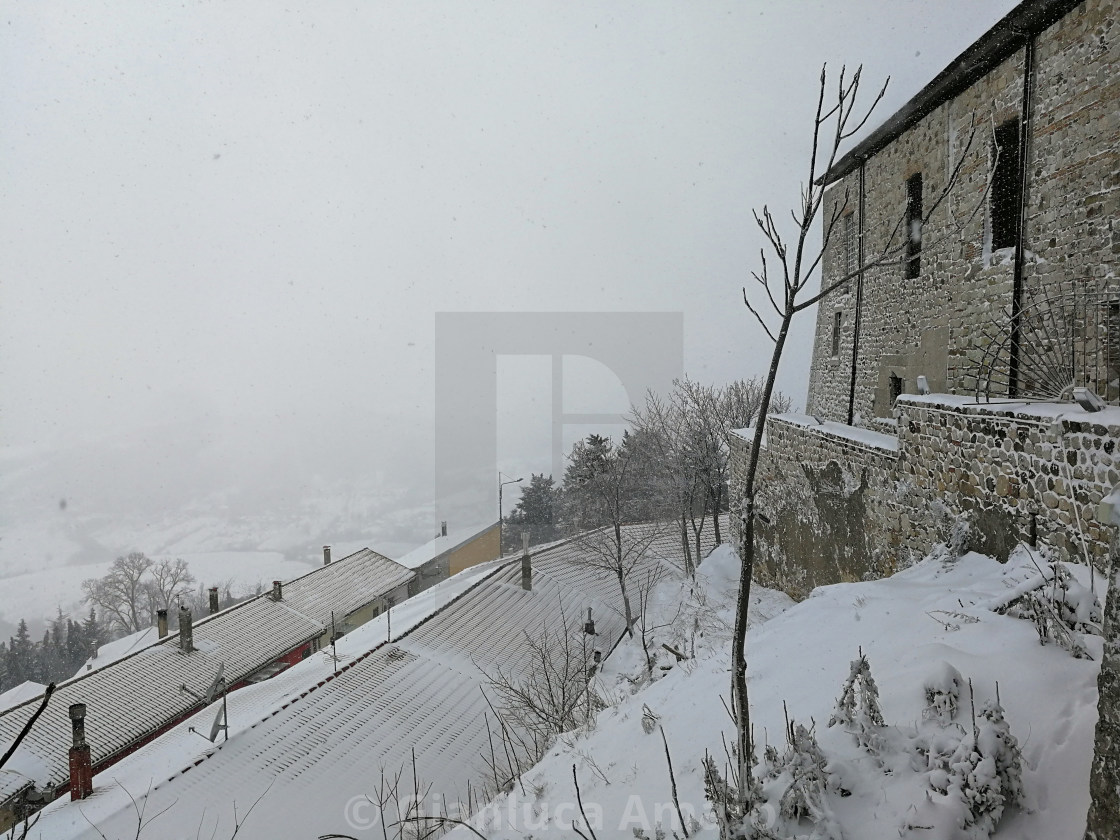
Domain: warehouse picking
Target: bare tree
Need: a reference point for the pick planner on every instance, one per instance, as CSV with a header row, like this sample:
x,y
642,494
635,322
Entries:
x,y
170,582
613,490
550,692
122,594
785,295
662,440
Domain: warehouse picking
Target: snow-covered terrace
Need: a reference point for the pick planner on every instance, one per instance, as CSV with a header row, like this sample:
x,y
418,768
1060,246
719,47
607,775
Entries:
x,y
308,747
138,695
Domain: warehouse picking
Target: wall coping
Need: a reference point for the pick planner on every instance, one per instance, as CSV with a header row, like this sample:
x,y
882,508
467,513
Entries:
x,y
1049,412
884,443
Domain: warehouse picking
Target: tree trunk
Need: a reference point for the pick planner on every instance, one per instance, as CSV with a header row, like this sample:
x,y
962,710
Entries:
x,y
740,703
629,616
717,503
689,568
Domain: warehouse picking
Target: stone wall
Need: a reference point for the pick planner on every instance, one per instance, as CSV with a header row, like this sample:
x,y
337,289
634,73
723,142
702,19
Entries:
x,y
930,324
837,503
1104,780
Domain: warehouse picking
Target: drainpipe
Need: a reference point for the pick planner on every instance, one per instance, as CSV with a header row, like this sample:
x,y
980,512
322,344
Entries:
x,y
1021,217
859,296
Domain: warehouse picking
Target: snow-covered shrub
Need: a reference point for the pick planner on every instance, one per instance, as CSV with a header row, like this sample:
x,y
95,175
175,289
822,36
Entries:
x,y
808,777
1061,610
984,773
857,708
962,535
943,693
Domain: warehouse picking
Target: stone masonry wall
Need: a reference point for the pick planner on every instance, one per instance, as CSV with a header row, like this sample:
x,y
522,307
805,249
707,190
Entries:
x,y
930,325
839,504
1104,780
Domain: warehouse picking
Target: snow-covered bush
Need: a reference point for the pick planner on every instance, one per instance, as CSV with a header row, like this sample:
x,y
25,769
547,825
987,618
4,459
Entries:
x,y
984,773
962,535
1061,610
857,708
943,693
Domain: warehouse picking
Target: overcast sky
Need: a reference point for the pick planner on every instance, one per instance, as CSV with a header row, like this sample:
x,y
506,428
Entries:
x,y
243,216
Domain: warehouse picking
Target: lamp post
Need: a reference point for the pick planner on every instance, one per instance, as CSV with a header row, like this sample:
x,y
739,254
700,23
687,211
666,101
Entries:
x,y
502,484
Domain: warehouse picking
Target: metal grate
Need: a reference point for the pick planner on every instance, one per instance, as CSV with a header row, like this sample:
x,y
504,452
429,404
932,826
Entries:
x,y
1068,336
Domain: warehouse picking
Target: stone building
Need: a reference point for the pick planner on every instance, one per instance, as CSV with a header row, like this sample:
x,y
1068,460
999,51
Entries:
x,y
997,298
945,396
1029,115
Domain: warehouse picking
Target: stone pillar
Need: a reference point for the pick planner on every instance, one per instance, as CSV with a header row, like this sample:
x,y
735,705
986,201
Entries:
x,y
1104,778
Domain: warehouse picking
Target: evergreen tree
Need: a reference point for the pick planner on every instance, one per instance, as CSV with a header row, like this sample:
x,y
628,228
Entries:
x,y
92,634
535,512
21,655
5,682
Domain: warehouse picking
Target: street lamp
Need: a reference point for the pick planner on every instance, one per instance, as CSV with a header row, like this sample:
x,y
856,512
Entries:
x,y
502,484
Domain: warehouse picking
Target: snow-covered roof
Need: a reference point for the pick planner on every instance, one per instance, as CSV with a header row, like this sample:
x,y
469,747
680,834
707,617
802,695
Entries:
x,y
20,693
307,747
443,544
139,694
118,649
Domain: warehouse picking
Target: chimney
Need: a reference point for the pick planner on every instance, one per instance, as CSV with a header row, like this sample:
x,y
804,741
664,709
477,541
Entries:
x,y
277,591
81,767
443,528
326,555
526,563
186,630
161,623
214,600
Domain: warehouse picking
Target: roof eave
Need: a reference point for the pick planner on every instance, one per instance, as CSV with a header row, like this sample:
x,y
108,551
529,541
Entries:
x,y
993,47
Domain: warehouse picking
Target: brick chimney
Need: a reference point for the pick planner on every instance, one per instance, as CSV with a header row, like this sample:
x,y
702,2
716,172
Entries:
x,y
81,767
186,630
161,623
277,591
326,555
526,563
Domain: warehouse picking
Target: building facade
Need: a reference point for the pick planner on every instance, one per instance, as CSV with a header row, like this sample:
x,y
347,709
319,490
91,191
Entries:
x,y
965,378
1028,118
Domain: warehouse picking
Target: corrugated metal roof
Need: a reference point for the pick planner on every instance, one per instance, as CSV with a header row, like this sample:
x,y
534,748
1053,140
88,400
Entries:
x,y
138,695
316,752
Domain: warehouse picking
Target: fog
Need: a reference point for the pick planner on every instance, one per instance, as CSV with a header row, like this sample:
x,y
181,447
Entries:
x,y
225,230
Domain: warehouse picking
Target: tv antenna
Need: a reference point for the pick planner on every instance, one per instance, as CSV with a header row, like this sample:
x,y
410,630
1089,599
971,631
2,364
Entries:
x,y
217,686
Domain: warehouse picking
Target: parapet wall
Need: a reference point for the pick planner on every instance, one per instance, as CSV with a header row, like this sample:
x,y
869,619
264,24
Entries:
x,y
837,503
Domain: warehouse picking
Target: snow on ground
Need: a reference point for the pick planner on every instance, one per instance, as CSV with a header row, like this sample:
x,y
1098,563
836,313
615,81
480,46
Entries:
x,y
912,627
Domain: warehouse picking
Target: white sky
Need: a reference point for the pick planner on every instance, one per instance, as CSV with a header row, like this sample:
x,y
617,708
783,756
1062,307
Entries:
x,y
242,217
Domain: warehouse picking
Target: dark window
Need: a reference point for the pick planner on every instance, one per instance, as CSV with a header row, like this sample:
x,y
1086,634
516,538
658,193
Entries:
x,y
913,226
837,317
895,384
1004,199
